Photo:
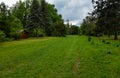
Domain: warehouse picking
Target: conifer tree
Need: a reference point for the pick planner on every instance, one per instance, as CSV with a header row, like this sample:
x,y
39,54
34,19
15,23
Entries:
x,y
46,19
34,18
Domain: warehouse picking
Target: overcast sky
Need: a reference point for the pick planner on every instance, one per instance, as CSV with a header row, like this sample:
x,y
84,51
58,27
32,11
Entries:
x,y
74,10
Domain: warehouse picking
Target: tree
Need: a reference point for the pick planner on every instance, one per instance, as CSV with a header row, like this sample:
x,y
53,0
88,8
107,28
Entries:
x,y
9,24
57,21
75,30
16,27
107,12
88,26
34,18
59,29
46,19
4,22
21,11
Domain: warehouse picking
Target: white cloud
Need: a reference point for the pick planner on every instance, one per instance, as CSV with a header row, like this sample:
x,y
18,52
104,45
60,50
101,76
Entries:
x,y
50,1
74,10
9,2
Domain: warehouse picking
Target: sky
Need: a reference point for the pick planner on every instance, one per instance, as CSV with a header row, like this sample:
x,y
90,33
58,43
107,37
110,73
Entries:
x,y
73,10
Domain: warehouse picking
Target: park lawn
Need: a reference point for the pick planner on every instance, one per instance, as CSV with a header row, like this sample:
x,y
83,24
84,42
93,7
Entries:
x,y
64,57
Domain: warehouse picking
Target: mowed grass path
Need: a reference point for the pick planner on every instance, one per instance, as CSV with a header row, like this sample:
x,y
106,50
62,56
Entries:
x,y
69,57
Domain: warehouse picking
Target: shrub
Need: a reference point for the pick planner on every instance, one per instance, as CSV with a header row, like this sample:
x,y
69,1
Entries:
x,y
16,28
36,33
16,35
103,41
89,39
41,33
107,42
2,36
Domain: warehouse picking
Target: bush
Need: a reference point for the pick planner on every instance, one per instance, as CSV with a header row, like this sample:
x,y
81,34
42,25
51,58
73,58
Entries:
x,y
2,36
16,35
16,28
36,33
89,39
41,33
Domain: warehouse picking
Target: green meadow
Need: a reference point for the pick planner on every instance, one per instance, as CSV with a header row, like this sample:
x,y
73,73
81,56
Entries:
x,y
65,57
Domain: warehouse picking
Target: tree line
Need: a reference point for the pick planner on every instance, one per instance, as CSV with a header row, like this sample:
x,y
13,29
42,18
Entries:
x,y
30,18
103,20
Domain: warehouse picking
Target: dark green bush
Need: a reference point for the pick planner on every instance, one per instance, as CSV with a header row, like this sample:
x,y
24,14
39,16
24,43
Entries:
x,y
16,28
2,36
16,35
89,39
36,33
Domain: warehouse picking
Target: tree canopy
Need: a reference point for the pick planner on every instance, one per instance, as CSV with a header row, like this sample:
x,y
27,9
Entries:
x,y
104,17
36,18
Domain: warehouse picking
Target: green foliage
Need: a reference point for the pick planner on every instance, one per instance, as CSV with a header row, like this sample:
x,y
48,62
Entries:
x,y
107,13
80,32
43,17
4,26
21,10
74,30
16,28
88,27
2,36
37,33
47,22
4,21
9,24
55,17
41,33
36,18
59,29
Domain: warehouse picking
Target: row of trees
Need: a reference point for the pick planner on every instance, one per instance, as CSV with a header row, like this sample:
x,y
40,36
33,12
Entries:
x,y
44,19
34,18
104,19
10,25
72,29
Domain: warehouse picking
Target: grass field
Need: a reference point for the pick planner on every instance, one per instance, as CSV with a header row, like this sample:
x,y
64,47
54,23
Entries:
x,y
65,57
